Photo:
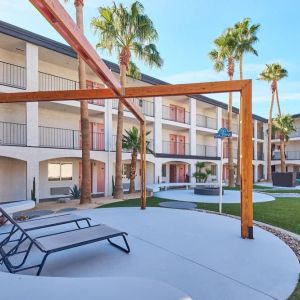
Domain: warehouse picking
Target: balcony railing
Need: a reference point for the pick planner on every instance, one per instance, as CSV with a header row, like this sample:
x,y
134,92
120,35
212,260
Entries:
x,y
49,82
206,122
260,134
235,127
295,133
12,75
178,115
68,139
146,107
226,152
13,134
206,151
113,145
290,155
176,148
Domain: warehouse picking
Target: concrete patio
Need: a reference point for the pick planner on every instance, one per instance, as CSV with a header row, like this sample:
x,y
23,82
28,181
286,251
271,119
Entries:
x,y
175,254
228,197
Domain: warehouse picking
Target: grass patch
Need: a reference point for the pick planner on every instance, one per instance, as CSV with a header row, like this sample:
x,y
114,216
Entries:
x,y
296,293
283,212
282,191
255,187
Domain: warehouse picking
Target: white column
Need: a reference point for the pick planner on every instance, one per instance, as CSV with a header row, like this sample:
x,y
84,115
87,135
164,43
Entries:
x,y
255,172
193,131
33,172
192,171
157,171
108,142
219,125
265,149
32,109
157,125
255,140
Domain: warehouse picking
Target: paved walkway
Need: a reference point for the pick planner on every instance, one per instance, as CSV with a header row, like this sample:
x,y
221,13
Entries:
x,y
199,254
229,196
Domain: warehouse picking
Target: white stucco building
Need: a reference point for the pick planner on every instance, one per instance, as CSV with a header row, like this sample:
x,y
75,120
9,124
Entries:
x,y
42,140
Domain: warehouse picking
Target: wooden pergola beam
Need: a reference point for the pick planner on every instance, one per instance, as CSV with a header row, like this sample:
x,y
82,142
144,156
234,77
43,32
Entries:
x,y
130,92
58,17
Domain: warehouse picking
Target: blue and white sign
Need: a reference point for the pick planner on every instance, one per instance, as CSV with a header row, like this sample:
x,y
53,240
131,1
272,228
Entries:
x,y
223,133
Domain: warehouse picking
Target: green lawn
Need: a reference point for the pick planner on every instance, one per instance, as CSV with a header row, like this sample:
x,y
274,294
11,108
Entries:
x,y
283,212
256,187
296,293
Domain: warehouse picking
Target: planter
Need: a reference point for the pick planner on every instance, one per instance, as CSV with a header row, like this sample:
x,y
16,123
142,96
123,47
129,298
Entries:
x,y
284,179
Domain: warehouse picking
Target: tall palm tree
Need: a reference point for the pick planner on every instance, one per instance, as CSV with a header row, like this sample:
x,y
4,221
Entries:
x,y
132,142
246,37
126,31
272,74
284,125
84,117
225,53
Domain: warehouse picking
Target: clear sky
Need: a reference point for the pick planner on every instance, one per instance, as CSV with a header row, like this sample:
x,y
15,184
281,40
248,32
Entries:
x,y
187,30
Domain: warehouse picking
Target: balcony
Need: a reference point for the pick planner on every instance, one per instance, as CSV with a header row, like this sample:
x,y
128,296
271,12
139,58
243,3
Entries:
x,y
175,148
289,155
60,138
113,145
146,107
49,82
235,127
206,151
206,122
176,114
12,75
295,134
260,134
13,134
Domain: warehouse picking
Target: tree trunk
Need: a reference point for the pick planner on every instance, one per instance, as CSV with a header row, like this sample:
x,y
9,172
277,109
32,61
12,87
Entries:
x,y
270,122
277,100
230,70
238,173
282,154
133,171
118,194
85,196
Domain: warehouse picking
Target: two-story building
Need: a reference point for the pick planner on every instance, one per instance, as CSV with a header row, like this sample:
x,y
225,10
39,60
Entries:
x,y
41,141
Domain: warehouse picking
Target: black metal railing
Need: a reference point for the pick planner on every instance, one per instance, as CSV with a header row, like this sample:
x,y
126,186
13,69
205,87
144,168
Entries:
x,y
12,75
176,148
177,114
146,107
206,122
113,145
49,82
68,139
13,134
206,151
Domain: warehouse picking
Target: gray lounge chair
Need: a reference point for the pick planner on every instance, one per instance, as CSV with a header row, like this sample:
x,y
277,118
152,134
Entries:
x,y
43,222
53,243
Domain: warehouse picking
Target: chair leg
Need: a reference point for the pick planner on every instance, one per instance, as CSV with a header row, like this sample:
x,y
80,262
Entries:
x,y
127,249
42,264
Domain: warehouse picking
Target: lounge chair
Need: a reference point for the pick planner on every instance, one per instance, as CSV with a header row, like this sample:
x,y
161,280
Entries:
x,y
53,243
40,223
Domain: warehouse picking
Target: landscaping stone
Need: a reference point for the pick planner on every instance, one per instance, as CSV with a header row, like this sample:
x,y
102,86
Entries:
x,y
67,209
64,200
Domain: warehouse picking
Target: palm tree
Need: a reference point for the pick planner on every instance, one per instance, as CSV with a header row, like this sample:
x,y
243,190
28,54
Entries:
x,y
126,31
284,125
132,142
85,196
272,74
225,53
245,34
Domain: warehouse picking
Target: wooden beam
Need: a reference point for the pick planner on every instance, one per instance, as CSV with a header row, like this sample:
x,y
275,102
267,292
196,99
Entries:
x,y
246,156
130,92
143,165
58,17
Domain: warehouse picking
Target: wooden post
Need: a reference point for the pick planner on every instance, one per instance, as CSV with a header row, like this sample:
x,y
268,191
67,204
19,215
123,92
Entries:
x,y
246,161
143,165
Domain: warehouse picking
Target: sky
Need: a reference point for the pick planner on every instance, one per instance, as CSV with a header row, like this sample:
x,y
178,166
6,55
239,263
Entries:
x,y
187,30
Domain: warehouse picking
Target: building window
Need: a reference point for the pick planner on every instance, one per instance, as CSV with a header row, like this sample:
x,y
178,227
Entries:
x,y
164,170
213,169
126,170
60,171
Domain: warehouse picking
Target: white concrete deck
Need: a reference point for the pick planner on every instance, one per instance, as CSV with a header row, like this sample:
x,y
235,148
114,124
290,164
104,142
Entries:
x,y
228,197
200,255
16,206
